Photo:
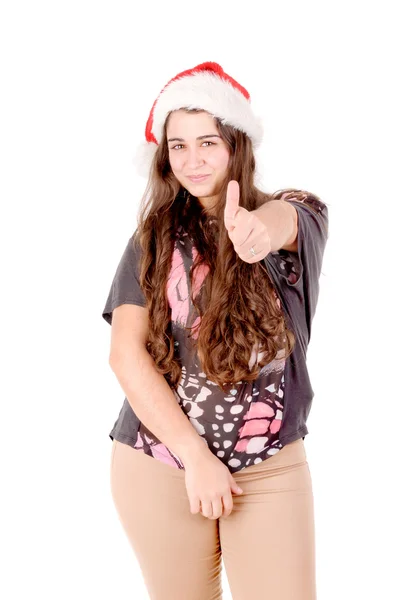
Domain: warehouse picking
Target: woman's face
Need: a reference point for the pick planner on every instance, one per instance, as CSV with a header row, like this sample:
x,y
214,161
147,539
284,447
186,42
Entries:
x,y
196,148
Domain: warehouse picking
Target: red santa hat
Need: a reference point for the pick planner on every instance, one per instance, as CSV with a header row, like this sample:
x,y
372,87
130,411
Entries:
x,y
206,87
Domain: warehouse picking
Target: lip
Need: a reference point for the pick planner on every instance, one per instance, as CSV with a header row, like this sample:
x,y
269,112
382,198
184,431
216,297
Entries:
x,y
198,179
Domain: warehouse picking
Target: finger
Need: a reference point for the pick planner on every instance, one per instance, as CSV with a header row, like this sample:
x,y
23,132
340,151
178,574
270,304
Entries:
x,y
231,204
262,247
207,509
217,508
243,233
195,505
228,504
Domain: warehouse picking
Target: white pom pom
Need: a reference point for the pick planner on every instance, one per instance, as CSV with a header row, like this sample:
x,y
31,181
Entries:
x,y
143,158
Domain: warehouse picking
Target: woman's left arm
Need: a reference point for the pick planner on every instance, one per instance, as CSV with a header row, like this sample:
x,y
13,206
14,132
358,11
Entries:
x,y
280,219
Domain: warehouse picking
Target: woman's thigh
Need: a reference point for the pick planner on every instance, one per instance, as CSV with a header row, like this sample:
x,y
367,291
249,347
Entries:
x,y
178,552
268,541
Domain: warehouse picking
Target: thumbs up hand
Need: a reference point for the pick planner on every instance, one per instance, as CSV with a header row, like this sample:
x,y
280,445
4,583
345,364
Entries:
x,y
244,228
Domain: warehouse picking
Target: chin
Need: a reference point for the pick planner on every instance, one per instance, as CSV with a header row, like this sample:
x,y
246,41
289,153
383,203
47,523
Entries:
x,y
201,190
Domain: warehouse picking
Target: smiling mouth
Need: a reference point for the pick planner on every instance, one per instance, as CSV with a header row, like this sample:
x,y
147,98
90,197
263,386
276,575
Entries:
x,y
198,178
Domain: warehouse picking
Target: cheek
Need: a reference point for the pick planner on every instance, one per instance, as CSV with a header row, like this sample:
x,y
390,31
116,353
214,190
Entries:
x,y
221,161
175,162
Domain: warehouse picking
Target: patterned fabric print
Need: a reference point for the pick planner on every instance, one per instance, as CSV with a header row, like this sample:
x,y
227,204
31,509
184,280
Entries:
x,y
310,200
290,264
241,428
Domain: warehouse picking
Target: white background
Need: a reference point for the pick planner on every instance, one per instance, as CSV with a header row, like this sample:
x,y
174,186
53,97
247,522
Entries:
x,y
78,80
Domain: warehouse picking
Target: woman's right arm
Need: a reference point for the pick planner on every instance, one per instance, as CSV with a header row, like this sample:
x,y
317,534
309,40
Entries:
x,y
207,479
145,388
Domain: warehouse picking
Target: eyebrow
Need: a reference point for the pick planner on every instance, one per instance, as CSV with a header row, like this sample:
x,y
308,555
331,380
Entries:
x,y
201,137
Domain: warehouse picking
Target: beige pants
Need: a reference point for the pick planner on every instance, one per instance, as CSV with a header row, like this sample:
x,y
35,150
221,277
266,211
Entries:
x,y
267,543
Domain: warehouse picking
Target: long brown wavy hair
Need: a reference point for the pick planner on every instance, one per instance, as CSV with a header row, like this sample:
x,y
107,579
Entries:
x,y
238,307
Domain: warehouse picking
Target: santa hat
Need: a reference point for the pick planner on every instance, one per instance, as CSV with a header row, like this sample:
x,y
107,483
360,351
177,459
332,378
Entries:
x,y
206,87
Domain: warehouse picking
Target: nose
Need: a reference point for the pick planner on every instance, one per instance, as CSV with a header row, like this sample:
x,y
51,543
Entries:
x,y
194,158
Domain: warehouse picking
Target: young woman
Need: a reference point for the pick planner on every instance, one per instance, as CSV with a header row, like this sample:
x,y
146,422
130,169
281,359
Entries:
x,y
211,309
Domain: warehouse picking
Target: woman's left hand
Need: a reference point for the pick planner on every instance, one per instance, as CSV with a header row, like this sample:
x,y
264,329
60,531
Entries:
x,y
244,228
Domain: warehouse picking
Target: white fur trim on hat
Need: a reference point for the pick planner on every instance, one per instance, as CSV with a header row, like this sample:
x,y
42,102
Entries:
x,y
210,92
